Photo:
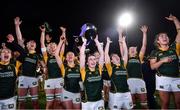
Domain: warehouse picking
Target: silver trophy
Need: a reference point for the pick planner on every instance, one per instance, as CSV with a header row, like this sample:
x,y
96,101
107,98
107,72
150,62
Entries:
x,y
88,31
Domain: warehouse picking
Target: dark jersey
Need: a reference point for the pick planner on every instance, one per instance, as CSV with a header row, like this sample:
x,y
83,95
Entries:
x,y
72,78
170,69
134,68
29,64
53,68
118,76
7,81
93,84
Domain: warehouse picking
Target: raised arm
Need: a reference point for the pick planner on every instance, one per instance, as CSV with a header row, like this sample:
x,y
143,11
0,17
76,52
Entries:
x,y
17,23
62,48
82,54
61,42
144,42
42,40
120,32
177,24
106,52
124,55
100,49
59,59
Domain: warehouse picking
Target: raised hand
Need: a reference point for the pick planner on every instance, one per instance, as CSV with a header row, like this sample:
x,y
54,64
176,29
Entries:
x,y
96,39
62,29
109,40
144,28
171,17
42,28
17,21
124,39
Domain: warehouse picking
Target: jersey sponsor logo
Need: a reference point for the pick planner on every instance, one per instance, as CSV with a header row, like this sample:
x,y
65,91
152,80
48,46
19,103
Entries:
x,y
73,75
134,61
52,61
30,60
7,74
94,78
120,73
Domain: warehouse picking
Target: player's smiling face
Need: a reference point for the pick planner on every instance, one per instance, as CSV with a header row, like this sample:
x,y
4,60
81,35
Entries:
x,y
52,48
70,56
115,59
163,39
5,55
91,61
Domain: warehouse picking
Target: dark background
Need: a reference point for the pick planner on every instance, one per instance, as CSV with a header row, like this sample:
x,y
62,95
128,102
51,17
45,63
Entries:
x,y
102,13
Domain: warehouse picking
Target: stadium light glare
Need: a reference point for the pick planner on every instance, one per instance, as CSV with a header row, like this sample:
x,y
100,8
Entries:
x,y
125,19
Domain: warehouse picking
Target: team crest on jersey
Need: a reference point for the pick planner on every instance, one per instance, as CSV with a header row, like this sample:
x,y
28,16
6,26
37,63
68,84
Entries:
x,y
9,67
77,70
142,90
69,69
117,67
160,54
178,86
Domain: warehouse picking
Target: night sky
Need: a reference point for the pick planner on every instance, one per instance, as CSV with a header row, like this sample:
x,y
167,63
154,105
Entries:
x,y
102,13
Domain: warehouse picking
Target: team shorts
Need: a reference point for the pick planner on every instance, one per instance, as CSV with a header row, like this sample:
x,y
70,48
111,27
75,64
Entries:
x,y
96,105
27,82
136,86
75,97
120,100
169,84
54,83
8,104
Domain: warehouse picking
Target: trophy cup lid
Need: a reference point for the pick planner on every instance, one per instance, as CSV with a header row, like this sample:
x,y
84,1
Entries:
x,y
86,27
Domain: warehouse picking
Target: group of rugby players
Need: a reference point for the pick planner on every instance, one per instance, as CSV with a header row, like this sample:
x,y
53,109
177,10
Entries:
x,y
87,81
